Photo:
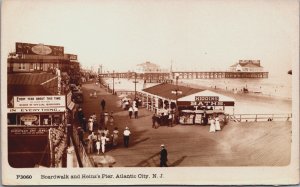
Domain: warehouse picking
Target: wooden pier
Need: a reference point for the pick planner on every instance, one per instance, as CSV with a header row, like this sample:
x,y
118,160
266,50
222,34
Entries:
x,y
186,75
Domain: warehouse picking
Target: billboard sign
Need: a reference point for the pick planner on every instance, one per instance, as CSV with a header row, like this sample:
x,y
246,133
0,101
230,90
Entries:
x,y
46,101
39,49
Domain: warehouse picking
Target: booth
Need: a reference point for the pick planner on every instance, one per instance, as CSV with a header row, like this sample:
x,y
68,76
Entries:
x,y
197,108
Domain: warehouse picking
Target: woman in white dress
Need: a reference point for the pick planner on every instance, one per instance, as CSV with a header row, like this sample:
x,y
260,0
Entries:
x,y
212,127
218,127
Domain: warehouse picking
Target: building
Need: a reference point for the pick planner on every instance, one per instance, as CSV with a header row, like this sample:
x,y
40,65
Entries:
x,y
190,103
247,66
40,105
37,58
147,67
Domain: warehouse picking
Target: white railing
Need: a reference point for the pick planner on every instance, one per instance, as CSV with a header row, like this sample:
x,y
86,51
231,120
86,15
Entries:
x,y
260,117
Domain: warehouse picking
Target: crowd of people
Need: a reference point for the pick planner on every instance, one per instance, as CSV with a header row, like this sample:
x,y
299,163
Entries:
x,y
98,135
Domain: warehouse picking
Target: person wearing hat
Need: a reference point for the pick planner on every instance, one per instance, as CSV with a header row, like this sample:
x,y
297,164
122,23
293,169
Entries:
x,y
163,156
126,134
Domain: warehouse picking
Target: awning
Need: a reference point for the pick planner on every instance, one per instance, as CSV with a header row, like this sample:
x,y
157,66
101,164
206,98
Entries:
x,y
71,105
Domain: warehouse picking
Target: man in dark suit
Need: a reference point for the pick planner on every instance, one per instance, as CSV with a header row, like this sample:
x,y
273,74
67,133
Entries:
x,y
163,156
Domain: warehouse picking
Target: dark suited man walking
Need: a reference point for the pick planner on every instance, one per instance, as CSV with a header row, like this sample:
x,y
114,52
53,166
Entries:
x,y
163,156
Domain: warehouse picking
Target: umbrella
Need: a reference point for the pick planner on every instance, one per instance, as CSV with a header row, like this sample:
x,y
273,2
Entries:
x,y
104,160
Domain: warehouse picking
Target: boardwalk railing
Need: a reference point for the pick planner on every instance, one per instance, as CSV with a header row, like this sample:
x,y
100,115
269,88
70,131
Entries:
x,y
260,117
85,159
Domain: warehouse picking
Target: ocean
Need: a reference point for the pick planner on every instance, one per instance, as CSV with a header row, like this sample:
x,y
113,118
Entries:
x,y
275,86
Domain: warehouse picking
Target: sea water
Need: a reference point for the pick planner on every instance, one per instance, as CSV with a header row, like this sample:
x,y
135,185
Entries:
x,y
278,86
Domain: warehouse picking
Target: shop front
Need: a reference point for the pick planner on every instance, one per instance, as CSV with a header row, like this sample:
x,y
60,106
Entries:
x,y
199,107
32,123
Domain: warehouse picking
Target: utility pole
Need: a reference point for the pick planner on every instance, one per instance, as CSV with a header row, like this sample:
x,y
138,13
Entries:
x,y
176,92
113,77
135,85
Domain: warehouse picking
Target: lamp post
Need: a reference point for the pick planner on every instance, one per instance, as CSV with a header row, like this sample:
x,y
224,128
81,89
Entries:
x,y
113,77
176,92
135,85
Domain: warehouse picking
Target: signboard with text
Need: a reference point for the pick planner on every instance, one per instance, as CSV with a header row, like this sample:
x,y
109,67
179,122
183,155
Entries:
x,y
38,110
206,98
205,103
39,49
47,101
34,131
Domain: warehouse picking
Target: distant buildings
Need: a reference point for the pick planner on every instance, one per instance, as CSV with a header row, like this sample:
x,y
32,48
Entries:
x,y
149,67
247,66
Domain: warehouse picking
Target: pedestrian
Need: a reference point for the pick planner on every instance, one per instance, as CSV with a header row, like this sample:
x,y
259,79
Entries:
x,y
98,146
84,127
136,110
111,119
105,118
80,135
90,125
205,118
170,119
115,136
103,104
106,132
126,134
80,115
103,140
217,122
163,156
130,110
90,144
153,121
212,127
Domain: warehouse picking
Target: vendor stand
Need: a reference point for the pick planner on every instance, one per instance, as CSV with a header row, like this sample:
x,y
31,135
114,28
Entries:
x,y
198,107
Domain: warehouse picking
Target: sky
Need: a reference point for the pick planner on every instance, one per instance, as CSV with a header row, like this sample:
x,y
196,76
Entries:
x,y
195,35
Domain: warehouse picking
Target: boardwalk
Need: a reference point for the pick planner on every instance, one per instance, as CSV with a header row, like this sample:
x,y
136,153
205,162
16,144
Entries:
x,y
238,144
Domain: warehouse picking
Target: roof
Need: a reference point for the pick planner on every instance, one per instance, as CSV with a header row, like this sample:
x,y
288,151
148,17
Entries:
x,y
165,90
31,84
28,78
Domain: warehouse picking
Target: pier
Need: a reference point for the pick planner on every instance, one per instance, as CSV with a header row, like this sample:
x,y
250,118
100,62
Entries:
x,y
186,75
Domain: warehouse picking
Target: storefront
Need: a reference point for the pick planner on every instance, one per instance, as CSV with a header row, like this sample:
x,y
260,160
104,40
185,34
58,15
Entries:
x,y
197,108
29,121
192,103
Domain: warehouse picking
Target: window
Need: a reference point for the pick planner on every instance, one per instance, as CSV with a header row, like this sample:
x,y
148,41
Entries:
x,y
21,65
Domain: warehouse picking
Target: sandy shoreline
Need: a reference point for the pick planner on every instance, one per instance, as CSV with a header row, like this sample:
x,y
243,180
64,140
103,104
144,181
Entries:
x,y
245,103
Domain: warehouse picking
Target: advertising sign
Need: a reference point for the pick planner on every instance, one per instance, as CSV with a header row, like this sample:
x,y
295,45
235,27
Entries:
x,y
206,98
34,131
51,101
39,49
205,103
72,57
36,110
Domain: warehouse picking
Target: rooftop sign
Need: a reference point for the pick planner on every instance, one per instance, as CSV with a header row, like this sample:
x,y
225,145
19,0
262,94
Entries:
x,y
39,49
